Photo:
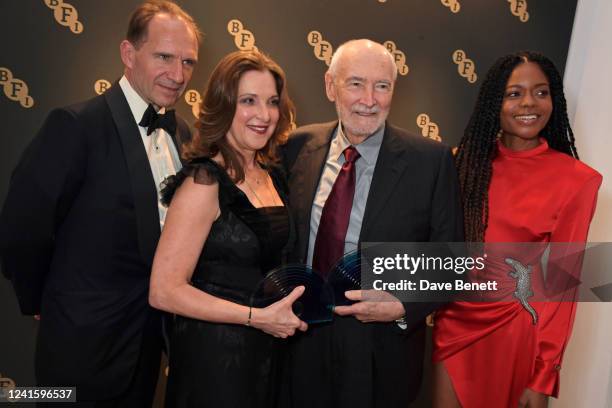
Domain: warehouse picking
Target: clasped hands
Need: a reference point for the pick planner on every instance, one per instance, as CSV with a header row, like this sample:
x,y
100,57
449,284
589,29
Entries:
x,y
372,306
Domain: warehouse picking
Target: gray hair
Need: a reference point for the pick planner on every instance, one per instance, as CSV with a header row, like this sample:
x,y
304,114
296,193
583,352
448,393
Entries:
x,y
333,65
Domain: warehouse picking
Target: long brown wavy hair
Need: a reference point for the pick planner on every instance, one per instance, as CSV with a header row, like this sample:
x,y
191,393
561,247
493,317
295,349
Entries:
x,y
219,107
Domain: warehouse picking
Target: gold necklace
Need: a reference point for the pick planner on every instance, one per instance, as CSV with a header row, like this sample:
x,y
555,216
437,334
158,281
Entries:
x,y
256,179
266,177
253,191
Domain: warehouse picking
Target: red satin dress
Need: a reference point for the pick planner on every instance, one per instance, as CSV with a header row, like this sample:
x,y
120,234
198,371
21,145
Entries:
x,y
493,351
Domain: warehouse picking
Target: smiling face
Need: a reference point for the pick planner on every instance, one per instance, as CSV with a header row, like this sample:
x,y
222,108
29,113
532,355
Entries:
x,y
362,89
257,112
526,107
160,68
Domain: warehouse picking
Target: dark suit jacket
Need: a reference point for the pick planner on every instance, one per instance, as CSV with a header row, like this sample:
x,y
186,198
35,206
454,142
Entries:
x,y
413,198
78,232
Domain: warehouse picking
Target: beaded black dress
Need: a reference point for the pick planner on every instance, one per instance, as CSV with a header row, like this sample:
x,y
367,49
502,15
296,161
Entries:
x,y
227,365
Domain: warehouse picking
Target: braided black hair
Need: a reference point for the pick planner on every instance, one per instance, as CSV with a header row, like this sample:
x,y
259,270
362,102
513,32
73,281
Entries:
x,y
477,148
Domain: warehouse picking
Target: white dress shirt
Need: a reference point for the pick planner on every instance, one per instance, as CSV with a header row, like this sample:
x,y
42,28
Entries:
x,y
161,151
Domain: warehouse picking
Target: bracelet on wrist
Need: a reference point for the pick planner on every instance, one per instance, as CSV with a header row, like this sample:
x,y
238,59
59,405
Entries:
x,y
248,322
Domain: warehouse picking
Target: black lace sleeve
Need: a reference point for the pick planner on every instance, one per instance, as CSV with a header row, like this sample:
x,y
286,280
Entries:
x,y
203,170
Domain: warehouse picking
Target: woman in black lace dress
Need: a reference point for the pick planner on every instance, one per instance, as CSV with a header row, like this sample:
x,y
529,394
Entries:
x,y
227,225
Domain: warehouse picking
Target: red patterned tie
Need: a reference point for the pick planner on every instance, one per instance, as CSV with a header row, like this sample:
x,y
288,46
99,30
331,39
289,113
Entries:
x,y
329,245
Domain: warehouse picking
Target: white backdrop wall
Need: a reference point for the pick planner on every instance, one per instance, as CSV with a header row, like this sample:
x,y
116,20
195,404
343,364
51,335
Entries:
x,y
586,377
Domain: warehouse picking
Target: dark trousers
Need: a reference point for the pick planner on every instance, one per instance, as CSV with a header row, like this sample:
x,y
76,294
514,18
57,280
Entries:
x,y
141,391
349,364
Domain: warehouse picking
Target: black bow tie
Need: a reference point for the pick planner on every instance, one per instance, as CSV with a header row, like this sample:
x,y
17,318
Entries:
x,y
152,120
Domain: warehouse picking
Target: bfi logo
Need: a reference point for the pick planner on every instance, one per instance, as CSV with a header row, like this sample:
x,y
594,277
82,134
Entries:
x,y
15,89
66,15
6,384
243,39
398,56
101,86
453,5
519,9
428,128
465,66
193,99
322,49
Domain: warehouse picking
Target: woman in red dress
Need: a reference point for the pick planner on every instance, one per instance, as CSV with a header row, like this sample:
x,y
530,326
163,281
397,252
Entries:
x,y
521,182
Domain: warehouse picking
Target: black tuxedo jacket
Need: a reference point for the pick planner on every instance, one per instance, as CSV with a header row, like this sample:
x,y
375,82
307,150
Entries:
x,y
414,197
78,232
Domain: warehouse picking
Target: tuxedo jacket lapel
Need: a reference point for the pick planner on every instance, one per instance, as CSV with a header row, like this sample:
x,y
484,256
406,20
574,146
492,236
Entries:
x,y
390,165
140,176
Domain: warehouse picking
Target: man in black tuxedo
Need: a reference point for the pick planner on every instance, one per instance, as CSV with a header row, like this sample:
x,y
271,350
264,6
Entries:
x,y
82,218
361,179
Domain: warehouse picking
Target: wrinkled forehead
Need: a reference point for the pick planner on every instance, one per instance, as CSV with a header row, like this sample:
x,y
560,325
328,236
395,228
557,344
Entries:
x,y
373,65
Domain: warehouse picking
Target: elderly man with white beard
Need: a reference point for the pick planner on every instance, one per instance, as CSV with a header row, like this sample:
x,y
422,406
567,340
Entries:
x,y
361,179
